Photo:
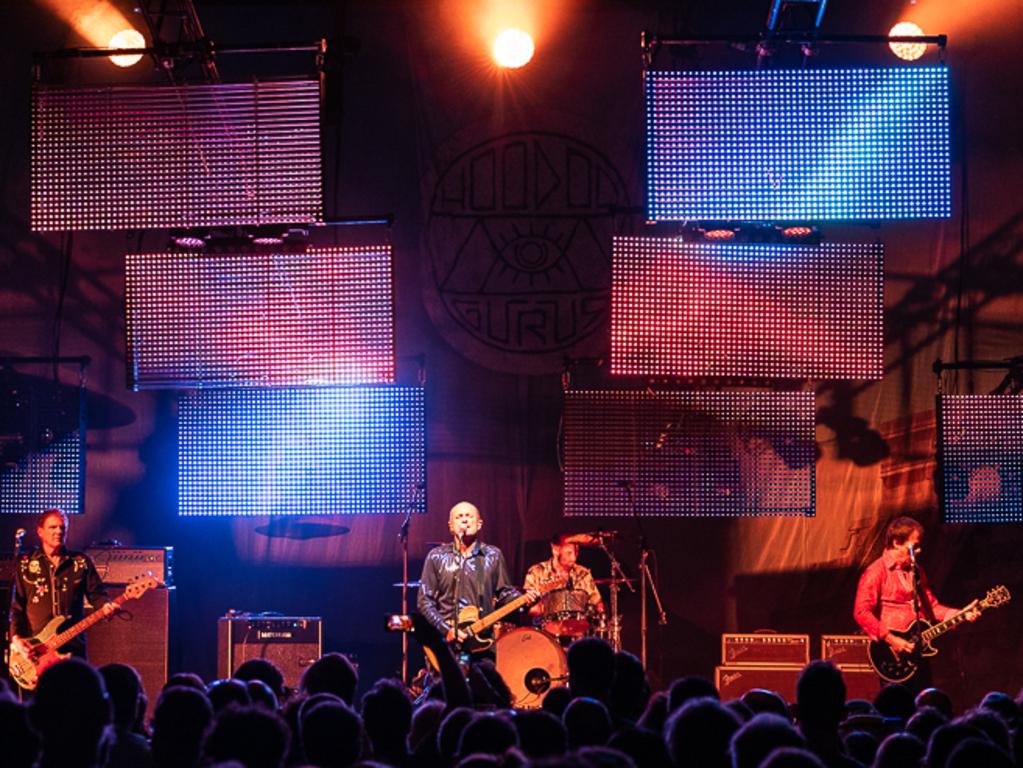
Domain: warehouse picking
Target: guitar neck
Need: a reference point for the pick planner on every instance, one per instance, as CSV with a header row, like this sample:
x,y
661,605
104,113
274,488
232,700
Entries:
x,y
76,629
950,623
494,616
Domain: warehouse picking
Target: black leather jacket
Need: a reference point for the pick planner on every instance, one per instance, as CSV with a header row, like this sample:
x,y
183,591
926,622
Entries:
x,y
42,592
482,577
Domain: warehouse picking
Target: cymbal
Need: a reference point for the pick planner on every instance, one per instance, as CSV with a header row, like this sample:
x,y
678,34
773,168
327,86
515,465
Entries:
x,y
410,584
616,581
590,538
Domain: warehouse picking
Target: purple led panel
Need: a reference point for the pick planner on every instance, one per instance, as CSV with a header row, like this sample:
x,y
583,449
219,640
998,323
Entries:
x,y
294,451
689,454
319,317
42,447
980,458
779,311
182,156
798,145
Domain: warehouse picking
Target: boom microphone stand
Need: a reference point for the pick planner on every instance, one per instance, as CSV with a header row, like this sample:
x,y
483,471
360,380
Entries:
x,y
617,577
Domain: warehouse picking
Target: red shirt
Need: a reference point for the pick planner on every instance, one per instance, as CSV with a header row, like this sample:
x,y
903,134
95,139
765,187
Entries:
x,y
884,598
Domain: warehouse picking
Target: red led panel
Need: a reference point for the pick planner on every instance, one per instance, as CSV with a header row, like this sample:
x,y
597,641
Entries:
x,y
780,311
689,454
319,317
182,156
980,458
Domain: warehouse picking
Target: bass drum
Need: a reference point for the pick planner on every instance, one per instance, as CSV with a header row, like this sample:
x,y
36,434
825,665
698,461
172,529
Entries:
x,y
531,663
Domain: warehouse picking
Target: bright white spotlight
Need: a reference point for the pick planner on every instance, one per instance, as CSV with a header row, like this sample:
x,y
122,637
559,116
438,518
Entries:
x,y
127,38
907,51
513,48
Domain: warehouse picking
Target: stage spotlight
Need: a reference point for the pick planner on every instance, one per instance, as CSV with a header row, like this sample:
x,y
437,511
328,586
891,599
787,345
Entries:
x,y
513,48
907,51
719,234
127,38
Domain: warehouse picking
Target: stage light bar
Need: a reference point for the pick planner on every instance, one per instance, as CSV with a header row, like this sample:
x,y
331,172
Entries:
x,y
689,454
735,310
980,458
192,155
274,318
323,451
798,145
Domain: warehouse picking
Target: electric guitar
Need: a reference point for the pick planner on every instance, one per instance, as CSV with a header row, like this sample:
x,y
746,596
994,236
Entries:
x,y
896,668
25,668
472,624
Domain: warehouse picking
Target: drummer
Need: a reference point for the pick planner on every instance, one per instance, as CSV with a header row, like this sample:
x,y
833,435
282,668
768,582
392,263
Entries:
x,y
563,567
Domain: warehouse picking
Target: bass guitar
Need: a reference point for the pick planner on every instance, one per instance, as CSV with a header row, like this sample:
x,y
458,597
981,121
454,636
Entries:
x,y
25,668
472,624
895,668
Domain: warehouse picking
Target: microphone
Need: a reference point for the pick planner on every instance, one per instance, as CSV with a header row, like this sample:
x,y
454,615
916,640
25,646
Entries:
x,y
18,536
912,554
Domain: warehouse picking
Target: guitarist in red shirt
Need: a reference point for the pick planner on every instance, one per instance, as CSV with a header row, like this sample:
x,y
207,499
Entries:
x,y
52,580
893,593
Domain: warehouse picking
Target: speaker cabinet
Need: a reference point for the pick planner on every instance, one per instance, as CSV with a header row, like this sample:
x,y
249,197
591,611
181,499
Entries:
x,y
733,682
139,635
291,642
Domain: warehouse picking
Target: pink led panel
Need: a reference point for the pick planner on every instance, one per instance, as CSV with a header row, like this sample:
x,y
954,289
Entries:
x,y
192,155
980,458
320,317
785,311
689,454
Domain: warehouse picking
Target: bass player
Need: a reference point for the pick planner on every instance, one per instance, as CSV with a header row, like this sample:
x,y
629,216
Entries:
x,y
52,580
465,574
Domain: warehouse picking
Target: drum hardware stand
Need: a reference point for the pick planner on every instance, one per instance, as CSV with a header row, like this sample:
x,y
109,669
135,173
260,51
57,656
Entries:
x,y
417,489
617,577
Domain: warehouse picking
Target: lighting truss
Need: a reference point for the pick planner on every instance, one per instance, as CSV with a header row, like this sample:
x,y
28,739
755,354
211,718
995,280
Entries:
x,y
106,158
689,454
325,451
756,310
798,145
980,458
322,316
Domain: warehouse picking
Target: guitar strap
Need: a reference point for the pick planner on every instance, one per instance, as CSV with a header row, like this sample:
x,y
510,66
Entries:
x,y
479,576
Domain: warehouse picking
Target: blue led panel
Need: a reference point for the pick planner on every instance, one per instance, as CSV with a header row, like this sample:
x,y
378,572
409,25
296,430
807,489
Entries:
x,y
798,145
980,458
143,157
42,447
322,451
317,317
689,454
778,311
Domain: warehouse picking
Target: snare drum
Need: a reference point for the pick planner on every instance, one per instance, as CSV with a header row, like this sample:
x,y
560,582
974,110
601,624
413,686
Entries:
x,y
565,613
531,663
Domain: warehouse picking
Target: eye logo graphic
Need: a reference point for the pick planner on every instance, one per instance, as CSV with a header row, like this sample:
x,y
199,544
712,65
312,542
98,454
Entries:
x,y
518,234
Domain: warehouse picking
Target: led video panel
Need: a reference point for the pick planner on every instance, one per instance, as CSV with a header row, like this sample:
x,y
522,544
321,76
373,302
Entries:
x,y
191,155
317,317
980,458
689,454
321,451
778,311
798,145
42,446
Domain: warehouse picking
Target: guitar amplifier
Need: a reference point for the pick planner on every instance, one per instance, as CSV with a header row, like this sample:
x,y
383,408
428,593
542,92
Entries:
x,y
733,682
765,650
119,565
293,643
845,650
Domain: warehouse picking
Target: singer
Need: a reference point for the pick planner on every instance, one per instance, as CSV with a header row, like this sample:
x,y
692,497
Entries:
x,y
893,593
463,574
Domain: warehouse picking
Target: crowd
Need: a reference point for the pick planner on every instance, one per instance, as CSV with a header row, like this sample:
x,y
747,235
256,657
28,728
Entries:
x,y
605,717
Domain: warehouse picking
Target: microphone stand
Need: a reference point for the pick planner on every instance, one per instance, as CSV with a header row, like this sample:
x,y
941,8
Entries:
x,y
617,577
403,538
646,578
9,630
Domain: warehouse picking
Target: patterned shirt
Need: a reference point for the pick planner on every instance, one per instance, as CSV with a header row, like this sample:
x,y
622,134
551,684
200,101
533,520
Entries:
x,y
42,592
542,576
884,598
